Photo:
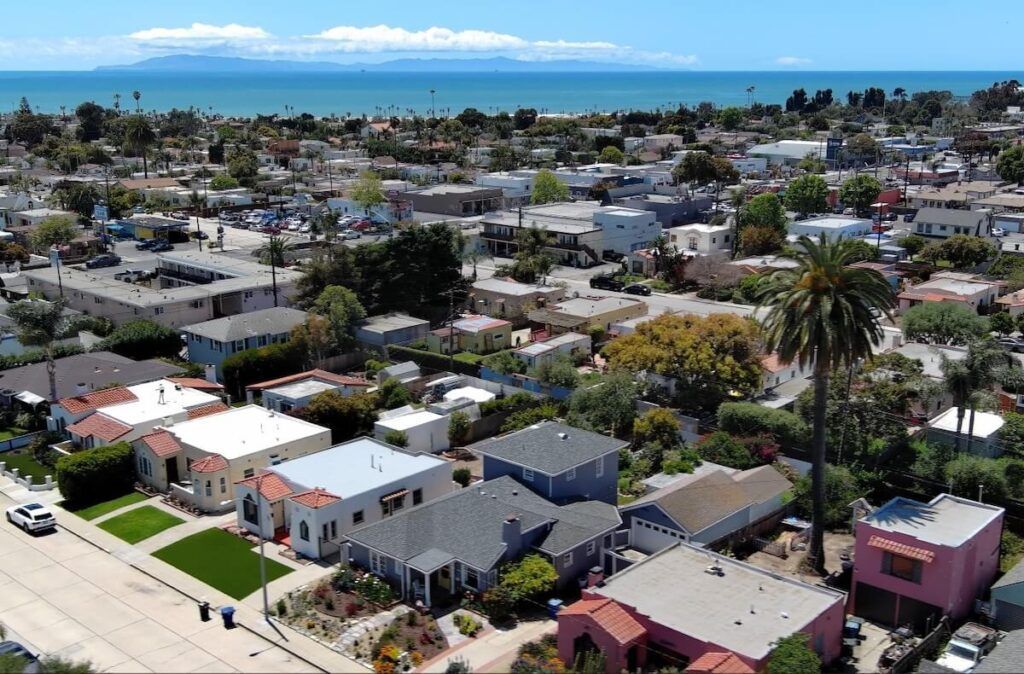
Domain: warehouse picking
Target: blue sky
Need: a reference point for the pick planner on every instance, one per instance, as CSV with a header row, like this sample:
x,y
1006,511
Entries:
x,y
737,35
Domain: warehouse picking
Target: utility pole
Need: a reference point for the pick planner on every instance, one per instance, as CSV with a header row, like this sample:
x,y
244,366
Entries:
x,y
451,329
263,557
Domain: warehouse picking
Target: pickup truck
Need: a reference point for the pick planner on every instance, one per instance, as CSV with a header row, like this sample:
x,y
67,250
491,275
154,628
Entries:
x,y
969,645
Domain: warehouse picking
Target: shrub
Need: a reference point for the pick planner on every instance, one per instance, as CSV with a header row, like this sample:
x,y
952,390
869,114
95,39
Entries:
x,y
282,608
458,427
504,362
743,419
528,417
530,576
462,476
143,339
722,448
256,365
468,626
96,475
512,403
396,438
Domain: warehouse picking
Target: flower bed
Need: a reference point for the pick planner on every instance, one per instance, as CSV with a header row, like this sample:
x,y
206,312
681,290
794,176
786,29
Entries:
x,y
407,643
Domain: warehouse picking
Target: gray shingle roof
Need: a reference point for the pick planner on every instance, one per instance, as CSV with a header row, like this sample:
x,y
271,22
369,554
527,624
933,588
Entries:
x,y
950,216
1011,577
272,321
95,370
549,447
1008,656
467,525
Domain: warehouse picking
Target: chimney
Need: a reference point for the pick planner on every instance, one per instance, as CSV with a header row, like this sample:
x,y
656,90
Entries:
x,y
595,577
512,535
81,388
168,421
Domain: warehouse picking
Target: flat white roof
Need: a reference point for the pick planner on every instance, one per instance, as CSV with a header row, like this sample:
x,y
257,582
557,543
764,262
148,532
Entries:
x,y
499,285
407,421
833,222
244,430
986,424
945,520
955,286
670,586
354,467
148,407
593,306
477,395
303,388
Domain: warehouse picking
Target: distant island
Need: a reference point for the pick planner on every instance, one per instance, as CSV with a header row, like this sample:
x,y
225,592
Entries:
x,y
194,63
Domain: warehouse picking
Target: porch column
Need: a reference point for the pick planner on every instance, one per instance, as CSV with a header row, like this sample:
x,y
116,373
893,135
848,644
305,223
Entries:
x,y
426,589
405,580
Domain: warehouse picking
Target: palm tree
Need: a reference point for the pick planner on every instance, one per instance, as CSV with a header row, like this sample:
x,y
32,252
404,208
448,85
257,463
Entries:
x,y
137,95
273,253
42,323
986,361
531,258
821,314
473,256
958,381
139,135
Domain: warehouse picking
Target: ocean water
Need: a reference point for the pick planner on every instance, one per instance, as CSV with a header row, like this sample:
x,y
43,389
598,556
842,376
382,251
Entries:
x,y
357,93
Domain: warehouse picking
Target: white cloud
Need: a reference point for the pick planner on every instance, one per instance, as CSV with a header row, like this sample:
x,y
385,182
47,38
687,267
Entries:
x,y
792,61
200,32
385,38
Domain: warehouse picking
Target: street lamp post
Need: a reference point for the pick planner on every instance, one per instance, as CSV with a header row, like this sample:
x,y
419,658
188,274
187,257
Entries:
x,y
263,557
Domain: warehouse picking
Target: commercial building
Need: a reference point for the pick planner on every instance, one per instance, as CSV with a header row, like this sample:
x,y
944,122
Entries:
x,y
832,227
457,200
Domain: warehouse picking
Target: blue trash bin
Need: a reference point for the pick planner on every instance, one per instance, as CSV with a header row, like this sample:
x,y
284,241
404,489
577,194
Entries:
x,y
554,606
227,614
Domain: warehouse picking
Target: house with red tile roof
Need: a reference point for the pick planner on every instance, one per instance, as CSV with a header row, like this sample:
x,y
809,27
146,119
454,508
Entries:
x,y
314,501
916,562
294,392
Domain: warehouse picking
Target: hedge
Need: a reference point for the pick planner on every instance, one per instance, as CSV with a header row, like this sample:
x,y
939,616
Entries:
x,y
434,361
96,475
255,365
143,339
749,419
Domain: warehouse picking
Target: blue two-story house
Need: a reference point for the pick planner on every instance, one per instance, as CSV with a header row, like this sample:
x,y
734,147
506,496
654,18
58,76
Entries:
x,y
210,342
559,462
436,551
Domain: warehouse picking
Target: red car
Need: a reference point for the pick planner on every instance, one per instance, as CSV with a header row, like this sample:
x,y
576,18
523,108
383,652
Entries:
x,y
361,225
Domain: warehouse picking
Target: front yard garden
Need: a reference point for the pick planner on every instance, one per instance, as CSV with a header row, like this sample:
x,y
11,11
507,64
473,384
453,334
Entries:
x,y
222,561
26,463
139,524
100,509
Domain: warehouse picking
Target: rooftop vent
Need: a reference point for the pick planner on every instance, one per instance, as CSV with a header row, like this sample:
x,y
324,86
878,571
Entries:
x,y
563,436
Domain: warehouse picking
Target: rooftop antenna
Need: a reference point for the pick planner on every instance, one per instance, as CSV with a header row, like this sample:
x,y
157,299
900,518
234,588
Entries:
x,y
160,394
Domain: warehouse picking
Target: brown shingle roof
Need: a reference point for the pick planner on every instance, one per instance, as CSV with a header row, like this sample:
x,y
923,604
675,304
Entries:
x,y
161,443
699,503
96,399
340,379
100,426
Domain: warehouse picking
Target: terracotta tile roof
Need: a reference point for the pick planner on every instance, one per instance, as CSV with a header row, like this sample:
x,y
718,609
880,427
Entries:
x,y
902,549
316,498
610,617
207,410
271,486
771,363
340,379
161,443
100,426
197,383
96,399
209,464
719,663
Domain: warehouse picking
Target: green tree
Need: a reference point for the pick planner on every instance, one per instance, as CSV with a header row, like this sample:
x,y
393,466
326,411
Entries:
x,y
607,407
821,314
396,438
223,182
243,165
756,240
611,155
730,118
459,425
807,194
967,472
1010,165
139,137
764,210
913,244
1002,322
559,371
42,323
55,230
503,158
547,188
392,394
943,323
793,655
52,664
746,419
841,488
721,448
347,416
695,167
659,426
341,307
961,250
143,339
531,576
504,362
368,191
859,192
532,261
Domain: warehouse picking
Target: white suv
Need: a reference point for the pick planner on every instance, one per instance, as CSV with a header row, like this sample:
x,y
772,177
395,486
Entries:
x,y
31,517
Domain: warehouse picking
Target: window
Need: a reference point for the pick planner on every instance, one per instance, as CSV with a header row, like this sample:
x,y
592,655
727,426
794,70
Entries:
x,y
158,310
223,485
334,529
325,532
471,578
248,472
357,517
901,567
249,510
393,505
417,496
262,340
591,548
209,488
567,559
303,531
570,474
692,242
527,474
378,563
599,467
239,345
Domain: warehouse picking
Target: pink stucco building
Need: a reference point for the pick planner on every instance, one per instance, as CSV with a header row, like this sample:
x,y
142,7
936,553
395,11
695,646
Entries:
x,y
683,602
916,562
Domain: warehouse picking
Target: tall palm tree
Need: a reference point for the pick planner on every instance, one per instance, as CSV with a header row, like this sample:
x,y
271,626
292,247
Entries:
x,y
959,383
137,95
821,314
139,135
42,323
532,259
986,361
273,252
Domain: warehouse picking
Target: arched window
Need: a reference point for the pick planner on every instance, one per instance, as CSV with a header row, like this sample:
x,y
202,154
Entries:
x,y
249,509
692,242
303,531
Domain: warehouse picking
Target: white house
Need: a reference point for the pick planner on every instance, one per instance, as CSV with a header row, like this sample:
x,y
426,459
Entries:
x,y
317,499
294,391
701,239
200,460
834,227
984,436
425,431
566,344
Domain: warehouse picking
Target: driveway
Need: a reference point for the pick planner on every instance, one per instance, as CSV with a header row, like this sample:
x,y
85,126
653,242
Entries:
x,y
65,597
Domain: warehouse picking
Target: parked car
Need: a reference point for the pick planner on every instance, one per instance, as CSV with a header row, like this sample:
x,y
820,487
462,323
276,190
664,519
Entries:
x,y
145,244
968,646
161,247
106,260
16,649
998,231
351,234
31,517
606,283
1011,343
201,235
305,229
270,229
637,289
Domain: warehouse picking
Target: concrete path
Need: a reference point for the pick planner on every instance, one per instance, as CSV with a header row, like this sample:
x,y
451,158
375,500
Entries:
x,y
494,651
81,593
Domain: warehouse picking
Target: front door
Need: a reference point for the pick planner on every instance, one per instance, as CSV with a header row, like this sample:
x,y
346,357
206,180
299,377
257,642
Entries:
x,y
444,577
172,470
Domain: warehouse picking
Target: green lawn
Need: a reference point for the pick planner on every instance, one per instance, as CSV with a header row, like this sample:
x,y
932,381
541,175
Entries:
x,y
468,357
9,432
139,524
94,511
23,460
220,560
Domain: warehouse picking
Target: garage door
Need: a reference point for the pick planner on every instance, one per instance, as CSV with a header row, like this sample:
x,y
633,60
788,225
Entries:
x,y
875,604
649,537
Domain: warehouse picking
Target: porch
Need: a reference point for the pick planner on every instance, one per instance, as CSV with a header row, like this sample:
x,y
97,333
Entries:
x,y
436,581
